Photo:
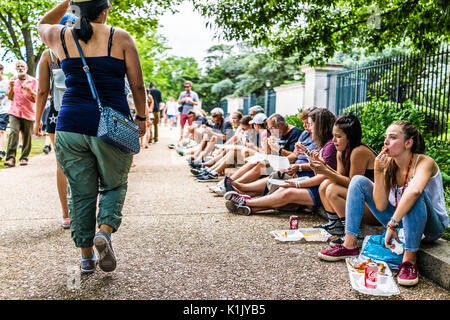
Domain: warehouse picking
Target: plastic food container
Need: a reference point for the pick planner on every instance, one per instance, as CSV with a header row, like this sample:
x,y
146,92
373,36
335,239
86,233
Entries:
x,y
314,234
386,285
357,260
287,235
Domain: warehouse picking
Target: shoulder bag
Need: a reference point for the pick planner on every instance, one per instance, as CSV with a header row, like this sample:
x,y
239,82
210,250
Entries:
x,y
114,127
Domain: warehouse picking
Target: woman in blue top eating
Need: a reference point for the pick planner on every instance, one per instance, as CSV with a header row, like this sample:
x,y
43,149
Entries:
x,y
93,168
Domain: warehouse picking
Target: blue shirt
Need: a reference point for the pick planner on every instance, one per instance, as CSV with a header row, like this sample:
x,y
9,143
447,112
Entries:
x,y
288,141
306,140
187,106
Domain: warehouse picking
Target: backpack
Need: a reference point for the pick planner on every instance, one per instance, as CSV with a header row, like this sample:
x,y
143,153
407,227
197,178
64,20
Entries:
x,y
58,84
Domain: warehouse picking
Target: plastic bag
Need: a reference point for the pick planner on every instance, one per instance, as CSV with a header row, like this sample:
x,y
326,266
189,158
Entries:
x,y
373,247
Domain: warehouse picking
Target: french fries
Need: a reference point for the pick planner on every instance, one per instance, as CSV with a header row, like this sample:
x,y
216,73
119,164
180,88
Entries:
x,y
360,267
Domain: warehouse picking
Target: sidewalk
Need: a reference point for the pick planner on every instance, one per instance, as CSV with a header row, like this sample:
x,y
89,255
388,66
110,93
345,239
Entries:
x,y
176,241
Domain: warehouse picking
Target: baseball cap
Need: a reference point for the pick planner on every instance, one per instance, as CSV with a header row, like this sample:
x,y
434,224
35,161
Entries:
x,y
68,17
258,118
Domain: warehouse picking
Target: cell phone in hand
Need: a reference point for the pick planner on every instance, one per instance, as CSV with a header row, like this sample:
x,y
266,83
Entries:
x,y
308,155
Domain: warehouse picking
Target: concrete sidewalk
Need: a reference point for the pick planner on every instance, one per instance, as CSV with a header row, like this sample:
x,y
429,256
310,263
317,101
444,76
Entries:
x,y
176,241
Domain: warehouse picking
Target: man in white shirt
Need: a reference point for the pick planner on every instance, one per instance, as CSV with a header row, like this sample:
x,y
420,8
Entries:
x,y
5,103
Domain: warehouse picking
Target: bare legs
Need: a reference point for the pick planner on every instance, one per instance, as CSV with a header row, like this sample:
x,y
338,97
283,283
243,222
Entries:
x,y
280,198
61,183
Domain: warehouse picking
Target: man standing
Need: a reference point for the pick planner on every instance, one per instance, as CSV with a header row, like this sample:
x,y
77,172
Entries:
x,y
5,103
22,92
187,99
156,94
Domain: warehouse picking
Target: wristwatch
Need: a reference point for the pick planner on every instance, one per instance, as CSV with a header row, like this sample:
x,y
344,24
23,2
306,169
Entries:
x,y
141,118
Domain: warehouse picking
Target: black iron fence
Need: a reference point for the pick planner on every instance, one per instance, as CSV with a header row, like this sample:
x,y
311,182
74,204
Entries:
x,y
424,80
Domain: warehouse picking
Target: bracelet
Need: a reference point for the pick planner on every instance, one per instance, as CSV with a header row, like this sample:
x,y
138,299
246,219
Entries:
x,y
141,118
392,224
297,184
300,168
279,151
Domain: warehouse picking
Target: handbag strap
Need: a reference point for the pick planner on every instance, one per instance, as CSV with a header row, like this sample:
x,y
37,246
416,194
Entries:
x,y
88,73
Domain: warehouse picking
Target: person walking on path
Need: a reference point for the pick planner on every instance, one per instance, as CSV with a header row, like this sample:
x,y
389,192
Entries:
x,y
49,62
22,92
156,95
93,167
187,99
172,112
5,104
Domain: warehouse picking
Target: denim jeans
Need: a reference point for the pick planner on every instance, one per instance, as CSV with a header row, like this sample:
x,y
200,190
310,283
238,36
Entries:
x,y
420,220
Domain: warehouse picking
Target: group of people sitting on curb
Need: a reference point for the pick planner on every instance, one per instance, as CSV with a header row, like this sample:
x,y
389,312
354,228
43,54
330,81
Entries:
x,y
330,167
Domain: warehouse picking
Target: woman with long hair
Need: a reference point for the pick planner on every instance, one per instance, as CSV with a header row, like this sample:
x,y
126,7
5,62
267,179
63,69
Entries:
x,y
353,158
304,192
93,168
407,193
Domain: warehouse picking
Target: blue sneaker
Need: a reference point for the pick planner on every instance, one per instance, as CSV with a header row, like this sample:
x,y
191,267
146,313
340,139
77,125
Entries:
x,y
107,258
88,265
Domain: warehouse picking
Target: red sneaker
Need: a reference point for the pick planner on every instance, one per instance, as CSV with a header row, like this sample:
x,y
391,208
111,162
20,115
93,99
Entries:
x,y
408,275
339,252
237,198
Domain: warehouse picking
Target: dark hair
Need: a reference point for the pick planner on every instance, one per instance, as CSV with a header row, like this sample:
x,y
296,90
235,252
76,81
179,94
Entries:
x,y
89,12
323,125
352,128
238,114
245,120
410,132
152,85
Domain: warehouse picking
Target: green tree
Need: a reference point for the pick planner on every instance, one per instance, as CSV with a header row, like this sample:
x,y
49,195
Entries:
x,y
19,18
319,29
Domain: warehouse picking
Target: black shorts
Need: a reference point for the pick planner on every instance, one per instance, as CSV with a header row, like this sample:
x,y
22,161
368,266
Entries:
x,y
4,120
50,124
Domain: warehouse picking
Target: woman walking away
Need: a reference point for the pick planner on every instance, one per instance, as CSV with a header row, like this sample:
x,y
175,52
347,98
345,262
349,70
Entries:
x,y
93,167
407,192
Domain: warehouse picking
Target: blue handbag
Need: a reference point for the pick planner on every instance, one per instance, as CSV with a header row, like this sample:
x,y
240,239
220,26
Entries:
x,y
114,127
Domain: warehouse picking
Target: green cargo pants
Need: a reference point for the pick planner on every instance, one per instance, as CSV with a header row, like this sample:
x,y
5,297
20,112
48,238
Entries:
x,y
92,167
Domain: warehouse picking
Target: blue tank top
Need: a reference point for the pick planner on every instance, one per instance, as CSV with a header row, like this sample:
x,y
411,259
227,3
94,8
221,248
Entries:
x,y
79,111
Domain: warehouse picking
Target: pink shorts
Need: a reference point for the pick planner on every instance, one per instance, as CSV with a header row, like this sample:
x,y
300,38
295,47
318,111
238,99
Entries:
x,y
183,118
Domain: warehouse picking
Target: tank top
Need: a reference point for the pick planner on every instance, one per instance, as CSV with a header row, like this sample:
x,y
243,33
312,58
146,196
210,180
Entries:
x,y
53,65
79,111
434,190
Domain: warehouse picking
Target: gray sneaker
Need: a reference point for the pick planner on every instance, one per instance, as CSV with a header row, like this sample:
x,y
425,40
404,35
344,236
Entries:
x,y
107,258
88,266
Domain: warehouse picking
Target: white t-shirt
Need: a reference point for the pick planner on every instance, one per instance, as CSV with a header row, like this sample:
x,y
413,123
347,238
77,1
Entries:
x,y
172,108
5,103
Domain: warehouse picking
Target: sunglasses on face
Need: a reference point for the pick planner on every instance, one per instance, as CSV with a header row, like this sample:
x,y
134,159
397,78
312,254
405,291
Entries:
x,y
214,115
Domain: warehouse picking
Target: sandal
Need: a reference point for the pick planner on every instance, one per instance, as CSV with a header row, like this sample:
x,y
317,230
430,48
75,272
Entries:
x,y
23,162
9,163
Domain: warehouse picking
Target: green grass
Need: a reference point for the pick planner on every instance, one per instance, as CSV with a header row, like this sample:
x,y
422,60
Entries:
x,y
37,144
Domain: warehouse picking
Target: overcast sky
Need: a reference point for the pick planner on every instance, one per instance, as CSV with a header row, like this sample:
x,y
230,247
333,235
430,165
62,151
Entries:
x,y
186,33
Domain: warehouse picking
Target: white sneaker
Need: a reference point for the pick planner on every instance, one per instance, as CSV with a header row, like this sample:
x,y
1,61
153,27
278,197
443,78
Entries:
x,y
219,190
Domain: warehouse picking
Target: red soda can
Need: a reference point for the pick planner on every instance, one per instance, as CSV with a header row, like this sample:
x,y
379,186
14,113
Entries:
x,y
294,222
371,275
